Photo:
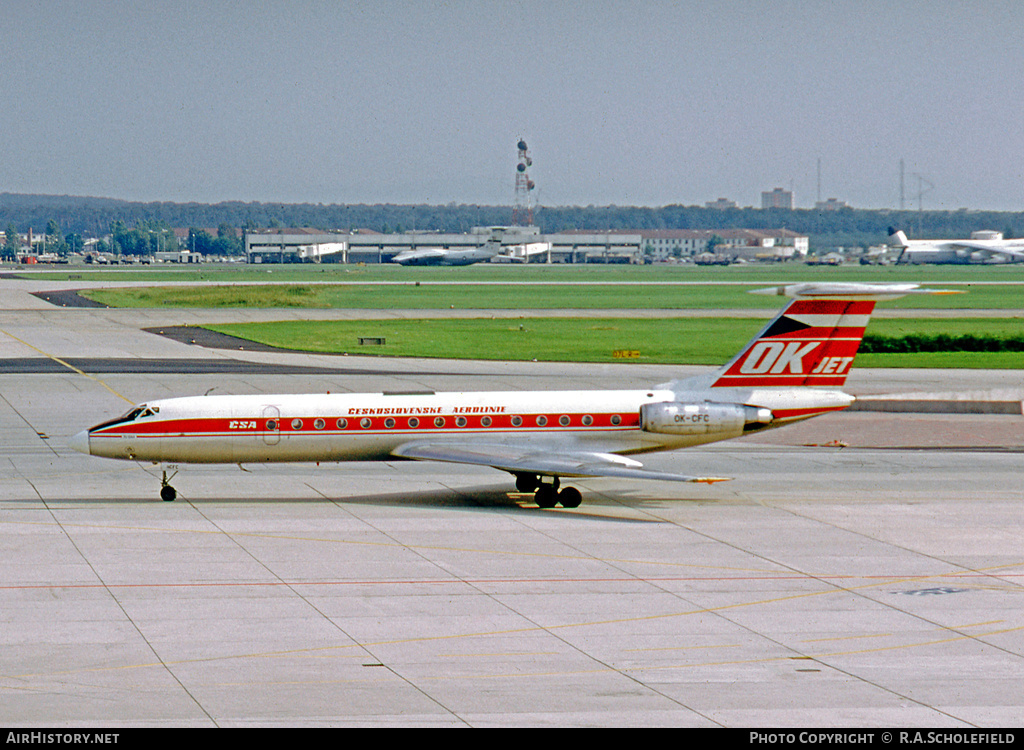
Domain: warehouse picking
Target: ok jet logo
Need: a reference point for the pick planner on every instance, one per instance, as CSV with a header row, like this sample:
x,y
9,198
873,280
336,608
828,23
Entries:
x,y
776,356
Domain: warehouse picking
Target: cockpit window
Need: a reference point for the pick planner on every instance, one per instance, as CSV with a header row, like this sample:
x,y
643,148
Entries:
x,y
139,412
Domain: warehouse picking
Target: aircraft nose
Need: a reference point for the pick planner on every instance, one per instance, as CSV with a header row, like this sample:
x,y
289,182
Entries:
x,y
80,442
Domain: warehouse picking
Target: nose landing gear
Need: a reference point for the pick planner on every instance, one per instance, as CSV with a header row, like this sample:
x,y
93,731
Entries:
x,y
167,493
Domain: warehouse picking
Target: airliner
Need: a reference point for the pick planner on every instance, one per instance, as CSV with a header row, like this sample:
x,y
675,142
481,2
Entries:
x,y
983,247
444,256
790,371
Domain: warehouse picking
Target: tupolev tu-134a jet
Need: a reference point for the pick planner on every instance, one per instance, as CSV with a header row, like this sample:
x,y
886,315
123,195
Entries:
x,y
792,370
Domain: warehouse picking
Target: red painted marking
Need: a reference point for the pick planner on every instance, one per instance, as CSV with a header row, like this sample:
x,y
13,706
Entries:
x,y
830,307
221,427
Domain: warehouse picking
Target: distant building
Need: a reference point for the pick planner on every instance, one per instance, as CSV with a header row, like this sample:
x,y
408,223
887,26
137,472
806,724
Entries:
x,y
749,244
662,244
292,245
830,205
777,198
580,246
721,203
177,256
762,244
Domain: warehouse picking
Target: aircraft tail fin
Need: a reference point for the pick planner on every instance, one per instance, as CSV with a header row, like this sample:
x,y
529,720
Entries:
x,y
812,342
897,237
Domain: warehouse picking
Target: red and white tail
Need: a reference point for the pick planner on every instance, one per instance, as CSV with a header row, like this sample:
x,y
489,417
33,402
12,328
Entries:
x,y
811,342
814,340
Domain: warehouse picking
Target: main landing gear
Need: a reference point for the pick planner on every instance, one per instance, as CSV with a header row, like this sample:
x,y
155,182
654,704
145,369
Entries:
x,y
548,495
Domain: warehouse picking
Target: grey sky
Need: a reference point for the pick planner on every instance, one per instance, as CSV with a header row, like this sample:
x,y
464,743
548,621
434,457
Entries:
x,y
627,103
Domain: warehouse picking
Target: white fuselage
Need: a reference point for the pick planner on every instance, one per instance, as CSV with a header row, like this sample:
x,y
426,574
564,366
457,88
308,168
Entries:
x,y
437,256
964,251
365,427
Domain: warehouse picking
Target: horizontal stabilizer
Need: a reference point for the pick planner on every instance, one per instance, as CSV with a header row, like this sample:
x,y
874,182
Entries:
x,y
851,291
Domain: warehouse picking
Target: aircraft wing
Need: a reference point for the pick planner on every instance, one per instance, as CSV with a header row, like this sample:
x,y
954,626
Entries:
x,y
530,460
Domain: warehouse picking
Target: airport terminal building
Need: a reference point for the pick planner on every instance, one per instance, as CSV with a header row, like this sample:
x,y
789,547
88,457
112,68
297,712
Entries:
x,y
366,246
525,244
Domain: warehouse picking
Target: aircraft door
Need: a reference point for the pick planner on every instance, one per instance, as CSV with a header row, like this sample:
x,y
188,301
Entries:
x,y
271,425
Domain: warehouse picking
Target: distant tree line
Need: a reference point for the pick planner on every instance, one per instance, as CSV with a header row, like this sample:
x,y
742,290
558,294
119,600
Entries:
x,y
152,236
144,226
914,342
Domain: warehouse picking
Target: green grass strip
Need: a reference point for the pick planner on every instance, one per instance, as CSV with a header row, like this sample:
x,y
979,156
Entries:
x,y
509,296
696,341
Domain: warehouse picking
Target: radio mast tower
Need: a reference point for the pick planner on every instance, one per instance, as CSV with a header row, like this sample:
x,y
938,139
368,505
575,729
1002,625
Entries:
x,y
522,209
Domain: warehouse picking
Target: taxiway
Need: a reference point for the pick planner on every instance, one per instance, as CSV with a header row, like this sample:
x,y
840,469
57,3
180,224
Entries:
x,y
878,584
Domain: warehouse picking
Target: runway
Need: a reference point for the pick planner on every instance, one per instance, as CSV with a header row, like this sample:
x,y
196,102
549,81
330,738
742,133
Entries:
x,y
876,585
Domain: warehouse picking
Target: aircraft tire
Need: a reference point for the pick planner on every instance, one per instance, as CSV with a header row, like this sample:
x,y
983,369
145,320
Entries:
x,y
168,493
546,497
570,497
527,482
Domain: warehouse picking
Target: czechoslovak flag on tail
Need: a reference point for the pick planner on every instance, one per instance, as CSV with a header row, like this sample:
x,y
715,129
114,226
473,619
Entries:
x,y
814,340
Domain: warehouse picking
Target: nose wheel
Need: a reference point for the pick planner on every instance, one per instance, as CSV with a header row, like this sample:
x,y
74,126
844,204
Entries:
x,y
167,492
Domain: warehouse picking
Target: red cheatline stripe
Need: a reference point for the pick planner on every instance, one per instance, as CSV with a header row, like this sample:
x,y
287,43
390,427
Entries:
x,y
830,307
219,427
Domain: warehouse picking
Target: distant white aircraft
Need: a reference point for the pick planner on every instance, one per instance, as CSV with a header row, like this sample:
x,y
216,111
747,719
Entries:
x,y
524,251
790,371
982,247
443,256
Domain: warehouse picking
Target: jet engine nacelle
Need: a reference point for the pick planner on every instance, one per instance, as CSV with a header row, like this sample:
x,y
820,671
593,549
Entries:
x,y
674,418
